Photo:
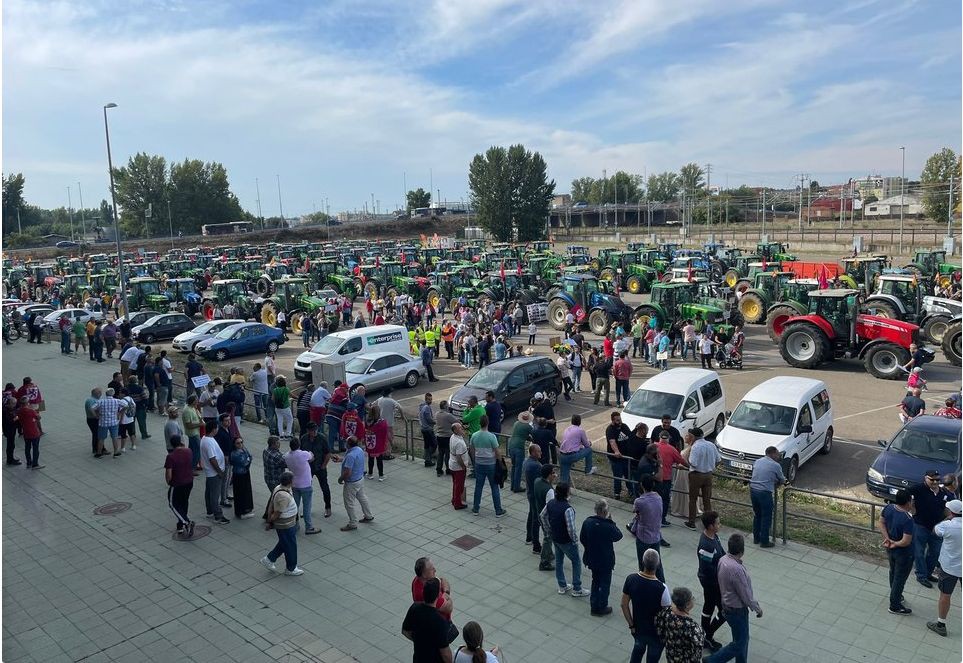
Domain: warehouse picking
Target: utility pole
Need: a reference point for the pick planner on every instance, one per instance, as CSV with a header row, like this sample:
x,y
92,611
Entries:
x,y
802,177
842,208
949,214
431,183
404,179
763,211
83,221
708,194
280,205
19,227
902,191
70,214
602,200
615,185
257,186
170,221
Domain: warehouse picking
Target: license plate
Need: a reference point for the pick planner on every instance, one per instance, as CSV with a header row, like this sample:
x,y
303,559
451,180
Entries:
x,y
893,491
741,466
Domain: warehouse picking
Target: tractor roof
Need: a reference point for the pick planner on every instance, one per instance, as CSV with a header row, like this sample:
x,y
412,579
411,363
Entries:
x,y
906,278
142,279
865,259
179,279
580,277
834,293
226,281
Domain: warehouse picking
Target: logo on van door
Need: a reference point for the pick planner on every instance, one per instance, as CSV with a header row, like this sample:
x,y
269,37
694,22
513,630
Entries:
x,y
384,338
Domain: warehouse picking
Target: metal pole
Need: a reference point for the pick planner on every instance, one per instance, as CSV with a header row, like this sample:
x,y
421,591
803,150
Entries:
x,y
113,199
170,221
19,227
763,211
949,213
842,208
902,189
70,214
83,221
257,186
280,204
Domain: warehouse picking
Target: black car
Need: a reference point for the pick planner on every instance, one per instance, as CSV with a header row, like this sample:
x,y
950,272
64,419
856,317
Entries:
x,y
922,444
514,382
163,326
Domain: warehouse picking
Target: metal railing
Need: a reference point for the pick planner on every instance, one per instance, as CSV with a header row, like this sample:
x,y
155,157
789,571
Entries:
x,y
801,515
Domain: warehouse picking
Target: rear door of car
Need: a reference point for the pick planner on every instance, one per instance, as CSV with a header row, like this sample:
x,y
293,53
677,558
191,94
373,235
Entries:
x,y
396,369
517,394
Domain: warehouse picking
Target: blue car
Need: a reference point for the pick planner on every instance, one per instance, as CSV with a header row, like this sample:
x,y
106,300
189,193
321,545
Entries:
x,y
924,443
241,339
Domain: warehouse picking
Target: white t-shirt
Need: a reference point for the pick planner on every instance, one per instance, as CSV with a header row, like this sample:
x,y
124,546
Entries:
x,y
166,364
389,407
465,656
211,449
131,354
457,447
269,366
126,417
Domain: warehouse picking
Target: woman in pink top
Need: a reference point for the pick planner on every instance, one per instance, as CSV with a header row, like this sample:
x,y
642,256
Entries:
x,y
376,441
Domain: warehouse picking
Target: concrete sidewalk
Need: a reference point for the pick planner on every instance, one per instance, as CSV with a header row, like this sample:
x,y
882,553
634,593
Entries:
x,y
79,586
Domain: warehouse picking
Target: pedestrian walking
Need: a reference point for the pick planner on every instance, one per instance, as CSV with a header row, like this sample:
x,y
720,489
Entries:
x,y
896,525
281,399
213,465
28,420
179,474
283,519
352,478
298,462
766,476
458,466
558,517
647,523
929,505
676,628
643,596
427,357
598,536
241,480
735,587
709,552
487,454
702,462
317,445
603,369
949,570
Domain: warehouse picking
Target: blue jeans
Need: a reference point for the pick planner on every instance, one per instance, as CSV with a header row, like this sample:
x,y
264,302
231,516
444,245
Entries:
x,y
260,405
738,649
621,391
646,645
900,565
620,470
565,462
570,550
334,433
485,473
302,496
601,582
65,342
518,457
577,377
31,451
762,505
288,546
926,551
194,444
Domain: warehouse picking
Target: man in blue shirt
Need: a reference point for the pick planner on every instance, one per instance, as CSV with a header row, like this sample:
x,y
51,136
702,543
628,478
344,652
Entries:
x,y
766,475
493,410
703,459
352,477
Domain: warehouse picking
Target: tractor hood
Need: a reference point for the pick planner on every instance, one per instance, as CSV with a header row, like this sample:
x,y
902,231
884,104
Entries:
x,y
192,297
312,302
158,299
612,303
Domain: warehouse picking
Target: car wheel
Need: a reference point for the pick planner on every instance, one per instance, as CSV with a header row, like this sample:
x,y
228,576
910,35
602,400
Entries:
x,y
220,355
411,380
793,470
272,346
551,396
720,424
149,338
828,443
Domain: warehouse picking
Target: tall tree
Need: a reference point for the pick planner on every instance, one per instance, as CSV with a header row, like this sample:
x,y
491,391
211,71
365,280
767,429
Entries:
x,y
418,198
663,187
511,192
691,177
935,182
583,190
621,187
12,199
141,185
200,193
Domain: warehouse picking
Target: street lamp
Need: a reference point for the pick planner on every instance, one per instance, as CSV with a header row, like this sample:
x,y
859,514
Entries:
x,y
902,190
113,199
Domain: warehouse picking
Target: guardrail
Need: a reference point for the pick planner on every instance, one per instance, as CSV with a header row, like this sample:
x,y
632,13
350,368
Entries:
x,y
786,514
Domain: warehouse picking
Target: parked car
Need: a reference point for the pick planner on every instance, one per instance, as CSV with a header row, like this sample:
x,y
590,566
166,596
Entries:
x,y
52,319
377,370
693,397
161,327
241,339
921,444
36,309
346,344
136,318
793,414
514,381
186,341
66,244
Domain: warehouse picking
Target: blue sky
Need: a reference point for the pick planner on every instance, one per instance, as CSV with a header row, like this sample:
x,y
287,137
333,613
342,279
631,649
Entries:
x,y
347,98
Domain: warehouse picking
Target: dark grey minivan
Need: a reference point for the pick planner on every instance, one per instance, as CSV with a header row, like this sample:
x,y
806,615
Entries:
x,y
514,382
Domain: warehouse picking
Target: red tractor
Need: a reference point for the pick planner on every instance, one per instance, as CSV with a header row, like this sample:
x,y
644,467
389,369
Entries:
x,y
832,329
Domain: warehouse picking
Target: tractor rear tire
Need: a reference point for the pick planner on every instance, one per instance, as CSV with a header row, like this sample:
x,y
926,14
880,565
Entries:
x,y
434,297
913,269
885,361
951,343
390,295
776,321
736,319
731,277
646,313
741,286
633,284
297,320
264,286
269,314
804,345
372,289
599,322
607,274
935,328
557,310
883,309
753,308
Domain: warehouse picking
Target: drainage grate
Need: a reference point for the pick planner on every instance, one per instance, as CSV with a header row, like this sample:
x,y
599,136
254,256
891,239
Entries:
x,y
467,542
200,531
112,509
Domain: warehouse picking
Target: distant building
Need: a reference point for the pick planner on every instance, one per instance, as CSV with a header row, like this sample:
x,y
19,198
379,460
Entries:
x,y
878,186
561,200
891,206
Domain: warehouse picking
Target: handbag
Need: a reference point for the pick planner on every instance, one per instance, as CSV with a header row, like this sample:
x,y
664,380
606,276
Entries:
x,y
634,525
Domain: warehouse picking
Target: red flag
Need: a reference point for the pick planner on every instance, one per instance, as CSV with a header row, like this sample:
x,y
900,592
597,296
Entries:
x,y
502,271
518,269
690,273
823,277
377,261
764,263
401,257
307,264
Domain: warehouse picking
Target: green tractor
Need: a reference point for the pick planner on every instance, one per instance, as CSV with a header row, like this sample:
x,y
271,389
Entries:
x,y
754,302
229,291
670,302
738,268
144,293
774,251
626,268
547,268
76,285
101,282
754,268
862,272
523,288
274,271
407,284
451,285
293,296
328,273
655,259
793,301
933,265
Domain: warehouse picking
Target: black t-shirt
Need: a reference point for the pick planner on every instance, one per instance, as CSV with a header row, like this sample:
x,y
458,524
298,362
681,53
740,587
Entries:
x,y
913,405
545,410
429,632
929,506
646,596
635,446
675,438
620,434
710,552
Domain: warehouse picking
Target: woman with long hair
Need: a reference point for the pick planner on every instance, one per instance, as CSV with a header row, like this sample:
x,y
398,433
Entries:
x,y
241,480
473,651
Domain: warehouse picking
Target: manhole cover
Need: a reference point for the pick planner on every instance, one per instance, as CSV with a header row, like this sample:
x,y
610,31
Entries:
x,y
467,542
200,531
111,509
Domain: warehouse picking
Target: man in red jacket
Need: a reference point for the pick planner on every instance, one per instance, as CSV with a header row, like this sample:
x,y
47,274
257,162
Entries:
x,y
669,456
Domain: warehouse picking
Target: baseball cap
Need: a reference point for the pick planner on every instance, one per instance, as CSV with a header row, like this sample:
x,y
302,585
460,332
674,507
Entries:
x,y
934,474
956,506
539,395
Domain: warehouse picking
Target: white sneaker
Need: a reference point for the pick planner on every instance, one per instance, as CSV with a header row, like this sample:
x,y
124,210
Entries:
x,y
245,516
593,470
268,564
564,590
578,593
133,447
298,571
381,478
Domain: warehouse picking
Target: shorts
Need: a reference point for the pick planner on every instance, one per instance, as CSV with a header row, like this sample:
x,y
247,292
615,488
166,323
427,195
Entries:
x,y
127,430
104,431
947,583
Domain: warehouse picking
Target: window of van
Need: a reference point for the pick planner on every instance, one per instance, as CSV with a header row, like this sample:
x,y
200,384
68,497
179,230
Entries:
x,y
327,345
351,346
763,418
820,403
691,404
653,404
805,417
711,392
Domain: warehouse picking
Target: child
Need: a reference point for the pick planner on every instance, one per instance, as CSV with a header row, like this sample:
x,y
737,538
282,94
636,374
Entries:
x,y
532,330
915,380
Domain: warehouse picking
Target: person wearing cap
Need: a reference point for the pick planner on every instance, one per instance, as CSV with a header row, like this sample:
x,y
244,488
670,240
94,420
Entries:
x,y
950,569
517,443
929,500
896,525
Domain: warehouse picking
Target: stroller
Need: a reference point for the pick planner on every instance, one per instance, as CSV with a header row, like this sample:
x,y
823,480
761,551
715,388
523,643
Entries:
x,y
729,356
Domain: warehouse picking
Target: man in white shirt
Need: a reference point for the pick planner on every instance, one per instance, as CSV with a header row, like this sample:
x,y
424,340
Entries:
x,y
212,462
259,385
390,409
458,466
950,567
282,319
271,367
319,403
128,359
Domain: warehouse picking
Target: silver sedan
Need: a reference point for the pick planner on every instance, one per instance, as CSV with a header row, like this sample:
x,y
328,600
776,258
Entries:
x,y
377,370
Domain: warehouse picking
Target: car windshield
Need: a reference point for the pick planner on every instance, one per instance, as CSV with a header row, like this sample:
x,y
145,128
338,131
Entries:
x,y
653,404
227,332
926,444
763,418
327,345
357,366
487,378
149,287
204,328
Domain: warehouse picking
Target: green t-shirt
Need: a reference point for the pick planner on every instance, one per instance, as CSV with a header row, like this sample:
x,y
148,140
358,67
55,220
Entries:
x,y
79,329
192,421
472,419
637,330
521,434
281,397
485,444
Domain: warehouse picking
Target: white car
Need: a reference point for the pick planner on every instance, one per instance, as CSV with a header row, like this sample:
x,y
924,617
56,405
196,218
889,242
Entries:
x,y
691,397
185,342
52,320
377,370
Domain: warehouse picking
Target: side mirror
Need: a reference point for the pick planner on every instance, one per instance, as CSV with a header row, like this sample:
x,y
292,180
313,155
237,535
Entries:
x,y
689,415
881,443
372,370
805,428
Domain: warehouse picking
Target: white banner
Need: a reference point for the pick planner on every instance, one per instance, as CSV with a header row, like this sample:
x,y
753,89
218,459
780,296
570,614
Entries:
x,y
537,312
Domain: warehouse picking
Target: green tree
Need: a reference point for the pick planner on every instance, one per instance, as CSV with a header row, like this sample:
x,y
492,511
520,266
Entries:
x,y
12,200
935,182
583,190
511,192
691,177
663,187
621,187
418,198
316,219
200,193
140,186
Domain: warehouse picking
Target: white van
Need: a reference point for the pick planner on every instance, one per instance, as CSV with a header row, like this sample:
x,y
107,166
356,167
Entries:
x,y
693,397
349,343
793,414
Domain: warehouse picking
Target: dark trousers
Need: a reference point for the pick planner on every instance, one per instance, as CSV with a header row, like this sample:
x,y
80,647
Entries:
x,y
665,491
243,496
620,470
322,475
601,384
11,435
621,391
31,449
762,505
92,425
178,498
900,565
444,451
738,648
212,496
601,582
303,419
98,348
699,482
65,342
430,446
711,601
532,524
648,646
140,414
926,551
706,361
518,457
640,548
288,546
90,347
431,373
381,465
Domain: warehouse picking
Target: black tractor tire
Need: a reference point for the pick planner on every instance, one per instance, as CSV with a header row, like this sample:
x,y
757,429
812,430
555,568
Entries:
x,y
885,361
390,295
736,319
647,313
951,343
600,321
804,345
264,286
935,328
741,286
913,269
557,310
883,309
753,308
718,269
776,319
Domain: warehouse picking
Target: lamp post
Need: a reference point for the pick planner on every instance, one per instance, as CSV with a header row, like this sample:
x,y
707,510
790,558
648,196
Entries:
x,y
122,277
902,190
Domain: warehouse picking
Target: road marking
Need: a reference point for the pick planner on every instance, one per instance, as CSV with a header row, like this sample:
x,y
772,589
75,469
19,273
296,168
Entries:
x,y
859,414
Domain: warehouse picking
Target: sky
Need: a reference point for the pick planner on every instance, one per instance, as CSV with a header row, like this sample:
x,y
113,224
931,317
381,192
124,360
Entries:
x,y
343,99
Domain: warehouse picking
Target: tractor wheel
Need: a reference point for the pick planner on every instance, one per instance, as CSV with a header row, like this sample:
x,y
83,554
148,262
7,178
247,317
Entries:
x,y
804,345
718,269
883,309
207,309
885,361
372,289
741,286
297,320
951,343
264,286
633,284
935,328
736,319
599,322
753,308
731,277
557,310
645,313
390,294
594,264
434,297
269,314
607,274
482,302
776,320
913,269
